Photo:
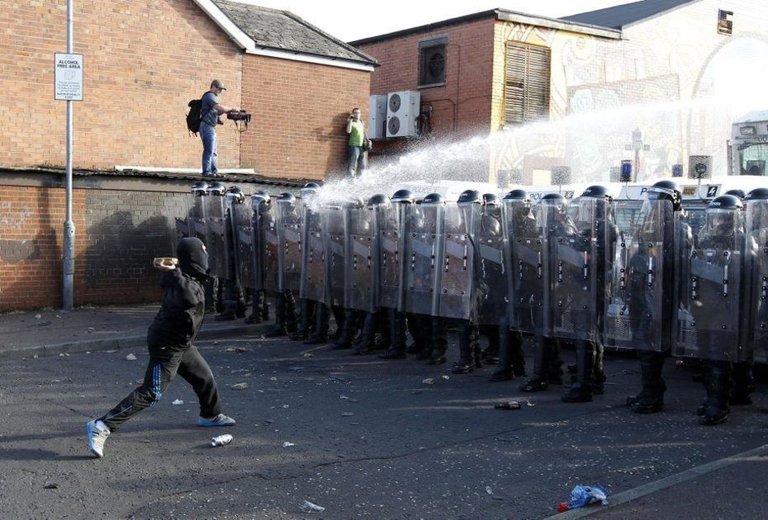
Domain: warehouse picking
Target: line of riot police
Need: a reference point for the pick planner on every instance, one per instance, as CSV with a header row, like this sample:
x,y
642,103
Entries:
x,y
554,272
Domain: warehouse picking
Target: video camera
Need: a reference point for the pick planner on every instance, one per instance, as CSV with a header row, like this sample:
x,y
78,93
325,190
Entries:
x,y
242,115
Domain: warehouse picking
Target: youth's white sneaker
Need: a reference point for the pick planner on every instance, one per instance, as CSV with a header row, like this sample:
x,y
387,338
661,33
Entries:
x,y
97,436
219,420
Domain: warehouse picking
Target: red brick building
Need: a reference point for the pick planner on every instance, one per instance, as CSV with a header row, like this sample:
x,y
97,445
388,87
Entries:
x,y
143,61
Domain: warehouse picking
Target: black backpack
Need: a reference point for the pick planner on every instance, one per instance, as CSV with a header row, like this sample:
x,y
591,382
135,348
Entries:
x,y
194,115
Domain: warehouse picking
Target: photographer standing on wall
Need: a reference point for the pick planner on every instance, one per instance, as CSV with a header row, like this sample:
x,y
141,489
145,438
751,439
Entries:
x,y
357,145
210,111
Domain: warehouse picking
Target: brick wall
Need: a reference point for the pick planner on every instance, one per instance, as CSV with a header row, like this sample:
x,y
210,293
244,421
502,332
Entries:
x,y
301,110
120,225
463,105
143,62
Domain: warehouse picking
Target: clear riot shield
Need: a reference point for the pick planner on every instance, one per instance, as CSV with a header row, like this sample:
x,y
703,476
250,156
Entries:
x,y
335,227
389,220
182,228
457,259
491,270
288,227
360,270
756,257
265,243
312,257
197,224
216,232
573,280
422,249
712,291
643,269
242,230
528,276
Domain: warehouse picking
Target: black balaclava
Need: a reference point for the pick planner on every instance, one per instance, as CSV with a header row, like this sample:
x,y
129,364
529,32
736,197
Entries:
x,y
193,257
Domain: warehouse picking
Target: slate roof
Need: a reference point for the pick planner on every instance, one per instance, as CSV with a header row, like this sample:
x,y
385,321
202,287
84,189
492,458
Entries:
x,y
622,15
284,31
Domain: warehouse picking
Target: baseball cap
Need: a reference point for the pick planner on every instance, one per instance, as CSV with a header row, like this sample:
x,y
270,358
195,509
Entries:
x,y
218,84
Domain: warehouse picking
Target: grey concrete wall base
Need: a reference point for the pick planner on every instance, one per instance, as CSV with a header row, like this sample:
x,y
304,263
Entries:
x,y
100,345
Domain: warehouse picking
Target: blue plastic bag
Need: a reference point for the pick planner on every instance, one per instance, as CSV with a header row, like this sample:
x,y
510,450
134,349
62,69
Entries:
x,y
584,495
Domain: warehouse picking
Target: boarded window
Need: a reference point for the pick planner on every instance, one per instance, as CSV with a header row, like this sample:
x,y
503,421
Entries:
x,y
526,86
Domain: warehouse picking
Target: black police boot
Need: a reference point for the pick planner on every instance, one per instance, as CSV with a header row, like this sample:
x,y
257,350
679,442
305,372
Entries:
x,y
278,329
365,344
305,320
439,341
291,322
503,370
348,330
555,364
581,390
598,372
320,334
541,365
229,314
743,384
718,380
651,397
466,350
516,354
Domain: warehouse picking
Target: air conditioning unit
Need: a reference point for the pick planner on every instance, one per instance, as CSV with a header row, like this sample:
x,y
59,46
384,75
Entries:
x,y
402,113
377,116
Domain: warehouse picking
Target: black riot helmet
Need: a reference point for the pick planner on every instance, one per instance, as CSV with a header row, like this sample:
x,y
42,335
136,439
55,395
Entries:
x,y
260,201
757,194
490,199
432,198
309,189
736,192
469,197
287,196
217,188
353,202
403,196
666,190
597,191
553,199
523,207
723,215
235,195
378,200
729,202
518,194
200,189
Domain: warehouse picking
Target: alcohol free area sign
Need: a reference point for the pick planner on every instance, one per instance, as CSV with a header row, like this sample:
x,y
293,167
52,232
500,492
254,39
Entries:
x,y
68,77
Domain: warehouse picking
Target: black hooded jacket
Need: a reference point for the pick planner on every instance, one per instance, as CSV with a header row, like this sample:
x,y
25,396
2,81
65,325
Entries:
x,y
183,306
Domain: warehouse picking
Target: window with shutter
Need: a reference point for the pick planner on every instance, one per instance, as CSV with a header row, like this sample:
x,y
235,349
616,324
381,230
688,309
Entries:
x,y
432,62
526,86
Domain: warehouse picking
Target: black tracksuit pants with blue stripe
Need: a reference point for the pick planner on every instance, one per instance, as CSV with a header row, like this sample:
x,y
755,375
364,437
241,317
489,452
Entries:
x,y
164,364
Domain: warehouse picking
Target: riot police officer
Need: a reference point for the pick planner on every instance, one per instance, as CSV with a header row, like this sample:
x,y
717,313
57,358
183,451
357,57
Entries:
x,y
469,341
654,268
234,300
519,223
598,235
554,222
288,266
713,293
391,222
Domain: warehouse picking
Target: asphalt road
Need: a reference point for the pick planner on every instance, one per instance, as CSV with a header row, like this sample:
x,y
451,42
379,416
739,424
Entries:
x,y
368,439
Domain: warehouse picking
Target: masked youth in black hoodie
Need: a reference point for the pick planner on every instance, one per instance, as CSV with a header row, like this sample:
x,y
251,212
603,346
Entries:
x,y
170,345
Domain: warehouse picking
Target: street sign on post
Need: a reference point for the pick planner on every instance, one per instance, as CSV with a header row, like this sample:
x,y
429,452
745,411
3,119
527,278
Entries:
x,y
68,77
